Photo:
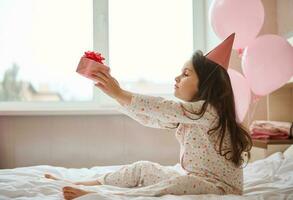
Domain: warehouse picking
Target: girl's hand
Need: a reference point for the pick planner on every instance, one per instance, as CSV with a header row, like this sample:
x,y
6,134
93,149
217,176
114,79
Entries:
x,y
108,84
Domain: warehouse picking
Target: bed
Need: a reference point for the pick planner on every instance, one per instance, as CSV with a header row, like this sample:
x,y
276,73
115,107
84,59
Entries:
x,y
269,178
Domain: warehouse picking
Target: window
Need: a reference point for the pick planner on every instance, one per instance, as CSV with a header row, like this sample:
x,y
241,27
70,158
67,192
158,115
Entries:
x,y
41,42
145,43
148,41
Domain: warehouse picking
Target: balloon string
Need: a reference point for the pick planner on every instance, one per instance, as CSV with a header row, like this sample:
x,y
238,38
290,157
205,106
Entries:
x,y
252,108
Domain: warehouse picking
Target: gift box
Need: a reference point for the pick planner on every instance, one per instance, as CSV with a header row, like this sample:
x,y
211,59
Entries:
x,y
91,62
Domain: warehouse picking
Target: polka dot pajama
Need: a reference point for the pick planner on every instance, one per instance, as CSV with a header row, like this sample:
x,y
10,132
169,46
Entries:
x,y
152,179
205,171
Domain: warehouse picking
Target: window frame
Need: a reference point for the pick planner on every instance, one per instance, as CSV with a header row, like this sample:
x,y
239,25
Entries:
x,y
100,44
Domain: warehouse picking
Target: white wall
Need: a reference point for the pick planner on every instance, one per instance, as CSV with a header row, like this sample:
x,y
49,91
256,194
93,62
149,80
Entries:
x,y
82,141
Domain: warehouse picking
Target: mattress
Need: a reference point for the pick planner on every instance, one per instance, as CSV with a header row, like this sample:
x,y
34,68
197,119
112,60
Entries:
x,y
269,178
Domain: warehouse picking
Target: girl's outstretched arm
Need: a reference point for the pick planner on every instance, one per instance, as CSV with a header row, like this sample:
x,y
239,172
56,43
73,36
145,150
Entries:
x,y
147,120
111,87
167,111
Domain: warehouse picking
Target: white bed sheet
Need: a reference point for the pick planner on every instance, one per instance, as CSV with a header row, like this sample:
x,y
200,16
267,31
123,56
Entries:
x,y
270,178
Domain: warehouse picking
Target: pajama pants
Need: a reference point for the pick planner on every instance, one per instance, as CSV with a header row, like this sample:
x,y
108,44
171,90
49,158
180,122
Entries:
x,y
147,178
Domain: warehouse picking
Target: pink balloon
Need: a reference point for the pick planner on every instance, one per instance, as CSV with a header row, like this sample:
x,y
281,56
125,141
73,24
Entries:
x,y
242,94
244,17
267,63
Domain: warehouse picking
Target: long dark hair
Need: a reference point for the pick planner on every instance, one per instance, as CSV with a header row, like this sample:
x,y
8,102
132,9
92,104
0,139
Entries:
x,y
215,88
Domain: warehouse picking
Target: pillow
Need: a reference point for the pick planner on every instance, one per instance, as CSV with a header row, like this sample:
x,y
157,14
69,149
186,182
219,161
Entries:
x,y
288,153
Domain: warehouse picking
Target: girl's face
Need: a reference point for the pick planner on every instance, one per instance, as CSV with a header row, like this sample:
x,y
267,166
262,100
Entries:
x,y
186,86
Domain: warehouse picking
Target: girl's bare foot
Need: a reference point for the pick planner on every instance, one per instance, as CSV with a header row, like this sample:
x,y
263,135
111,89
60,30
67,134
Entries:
x,y
49,176
87,183
72,193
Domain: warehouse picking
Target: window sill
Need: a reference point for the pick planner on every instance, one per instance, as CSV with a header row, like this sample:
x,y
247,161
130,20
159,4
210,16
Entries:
x,y
56,108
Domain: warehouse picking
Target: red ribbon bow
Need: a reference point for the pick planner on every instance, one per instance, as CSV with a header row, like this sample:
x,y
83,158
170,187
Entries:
x,y
94,56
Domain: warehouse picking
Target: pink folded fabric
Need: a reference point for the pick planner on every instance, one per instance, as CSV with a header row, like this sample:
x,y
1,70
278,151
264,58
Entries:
x,y
260,135
269,137
260,129
263,131
271,126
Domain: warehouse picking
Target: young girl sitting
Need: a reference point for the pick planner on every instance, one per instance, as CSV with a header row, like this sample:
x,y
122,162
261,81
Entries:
x,y
212,142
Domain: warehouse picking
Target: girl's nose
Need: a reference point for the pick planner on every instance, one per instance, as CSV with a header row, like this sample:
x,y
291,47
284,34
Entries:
x,y
177,79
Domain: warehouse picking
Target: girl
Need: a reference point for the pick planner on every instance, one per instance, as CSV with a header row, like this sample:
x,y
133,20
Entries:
x,y
212,142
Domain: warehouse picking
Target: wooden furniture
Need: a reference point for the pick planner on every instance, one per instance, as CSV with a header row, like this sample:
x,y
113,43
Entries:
x,y
277,106
264,148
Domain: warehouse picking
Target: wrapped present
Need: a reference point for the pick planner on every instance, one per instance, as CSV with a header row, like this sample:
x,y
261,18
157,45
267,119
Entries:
x,y
90,63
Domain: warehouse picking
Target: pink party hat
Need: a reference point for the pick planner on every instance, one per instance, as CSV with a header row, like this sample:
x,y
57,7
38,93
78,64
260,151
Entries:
x,y
221,54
